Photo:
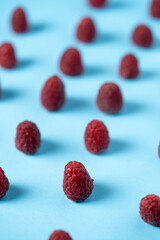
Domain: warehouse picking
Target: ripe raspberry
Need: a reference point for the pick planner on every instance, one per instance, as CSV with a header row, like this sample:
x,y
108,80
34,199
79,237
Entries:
x,y
142,36
86,31
60,235
97,3
19,21
7,56
4,184
28,138
53,95
155,9
159,151
96,137
70,63
129,67
77,183
150,210
109,99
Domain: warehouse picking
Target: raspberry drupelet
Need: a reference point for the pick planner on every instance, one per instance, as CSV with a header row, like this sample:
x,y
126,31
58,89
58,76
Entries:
x,y
129,67
19,21
53,95
96,137
7,56
155,9
70,63
150,210
77,183
109,99
97,3
86,31
28,139
142,36
60,235
4,183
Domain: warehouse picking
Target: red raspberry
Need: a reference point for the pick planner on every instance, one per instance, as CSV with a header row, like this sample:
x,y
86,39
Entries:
x,y
77,183
96,137
70,63
28,138
60,235
150,210
7,56
86,31
159,151
4,184
19,21
142,36
97,3
53,95
129,67
155,9
109,99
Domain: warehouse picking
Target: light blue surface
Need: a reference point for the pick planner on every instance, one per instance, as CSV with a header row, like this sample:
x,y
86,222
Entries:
x,y
35,205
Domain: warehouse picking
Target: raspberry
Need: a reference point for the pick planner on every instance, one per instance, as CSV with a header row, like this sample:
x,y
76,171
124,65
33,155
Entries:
x,y
142,36
155,9
70,63
19,21
97,3
159,151
53,95
96,137
129,67
4,184
150,210
86,30
7,56
77,183
28,138
60,235
109,99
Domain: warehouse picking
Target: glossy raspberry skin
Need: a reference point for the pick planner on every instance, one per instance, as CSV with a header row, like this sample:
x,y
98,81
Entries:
x,y
77,183
150,210
4,183
86,31
142,36
155,9
129,67
60,235
7,56
96,137
53,95
97,3
28,138
19,21
109,99
70,63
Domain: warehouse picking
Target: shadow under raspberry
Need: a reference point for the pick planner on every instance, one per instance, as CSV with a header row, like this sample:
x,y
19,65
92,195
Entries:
x,y
130,108
107,38
39,27
147,75
14,192
25,63
100,192
116,5
93,71
8,94
47,147
73,104
116,146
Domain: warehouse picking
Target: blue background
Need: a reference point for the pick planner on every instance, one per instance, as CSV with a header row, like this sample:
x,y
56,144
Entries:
x,y
35,204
